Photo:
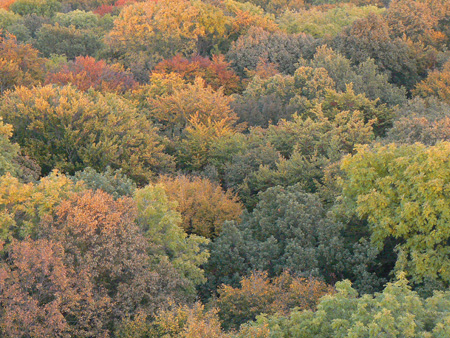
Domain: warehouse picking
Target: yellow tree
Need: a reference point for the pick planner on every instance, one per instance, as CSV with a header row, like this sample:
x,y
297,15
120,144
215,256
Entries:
x,y
154,30
403,191
436,84
203,205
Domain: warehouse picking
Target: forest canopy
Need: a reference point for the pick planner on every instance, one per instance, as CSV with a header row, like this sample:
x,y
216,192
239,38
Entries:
x,y
224,168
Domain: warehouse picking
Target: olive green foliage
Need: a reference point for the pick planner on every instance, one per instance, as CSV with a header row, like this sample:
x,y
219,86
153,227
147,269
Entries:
x,y
161,224
288,229
403,190
68,41
366,77
24,206
404,62
259,45
78,19
424,121
279,96
319,23
64,128
8,151
113,182
39,7
395,312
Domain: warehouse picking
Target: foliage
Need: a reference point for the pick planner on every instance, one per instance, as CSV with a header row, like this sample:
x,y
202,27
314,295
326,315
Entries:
x,y
64,128
68,41
39,7
24,206
175,110
113,182
437,84
78,19
187,322
9,151
396,312
280,96
281,49
402,190
288,229
86,72
40,294
424,121
318,23
215,72
366,77
203,205
258,294
19,64
102,242
418,20
405,62
279,6
246,15
148,32
161,224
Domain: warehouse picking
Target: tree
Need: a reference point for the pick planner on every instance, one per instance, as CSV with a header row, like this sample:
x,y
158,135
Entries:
x,y
68,41
437,84
203,205
396,312
405,62
86,72
366,77
146,33
19,64
64,128
319,22
216,72
402,190
39,7
101,238
258,294
280,96
175,110
288,229
9,151
187,322
161,225
421,120
43,297
199,139
113,182
24,205
281,49
404,19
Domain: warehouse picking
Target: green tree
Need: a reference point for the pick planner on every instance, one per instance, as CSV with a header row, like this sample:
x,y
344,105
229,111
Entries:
x,y
9,151
161,224
396,312
64,128
403,190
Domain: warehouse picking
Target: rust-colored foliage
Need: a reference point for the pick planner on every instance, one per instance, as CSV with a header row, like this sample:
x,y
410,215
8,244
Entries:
x,y
6,3
109,8
436,84
19,63
42,297
203,205
417,20
216,72
258,294
85,72
100,236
